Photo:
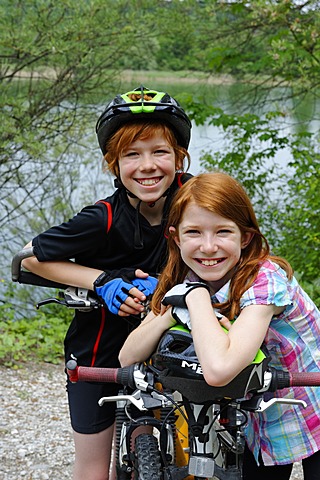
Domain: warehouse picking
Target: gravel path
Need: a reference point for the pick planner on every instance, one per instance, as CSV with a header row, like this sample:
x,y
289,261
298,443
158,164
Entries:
x,y
35,433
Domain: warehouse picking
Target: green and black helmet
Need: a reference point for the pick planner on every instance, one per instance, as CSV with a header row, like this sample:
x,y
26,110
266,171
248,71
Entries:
x,y
178,368
143,103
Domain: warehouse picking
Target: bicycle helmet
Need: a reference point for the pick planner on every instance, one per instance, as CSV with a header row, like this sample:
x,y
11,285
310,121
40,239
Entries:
x,y
175,351
145,104
178,368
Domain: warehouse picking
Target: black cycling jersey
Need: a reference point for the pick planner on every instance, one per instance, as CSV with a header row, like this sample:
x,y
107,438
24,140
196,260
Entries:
x,y
91,241
101,236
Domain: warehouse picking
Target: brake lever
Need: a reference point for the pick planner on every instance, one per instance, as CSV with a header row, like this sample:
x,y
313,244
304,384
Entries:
x,y
73,297
284,401
46,301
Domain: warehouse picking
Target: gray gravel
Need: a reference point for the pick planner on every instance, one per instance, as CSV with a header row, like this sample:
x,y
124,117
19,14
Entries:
x,y
35,433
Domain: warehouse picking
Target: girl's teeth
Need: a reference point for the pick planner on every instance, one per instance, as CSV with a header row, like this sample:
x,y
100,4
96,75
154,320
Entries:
x,y
209,263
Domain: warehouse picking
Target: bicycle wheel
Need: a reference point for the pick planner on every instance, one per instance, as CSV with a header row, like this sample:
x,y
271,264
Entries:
x,y
147,458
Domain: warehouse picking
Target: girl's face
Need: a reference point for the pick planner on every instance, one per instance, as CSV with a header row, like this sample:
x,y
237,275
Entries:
x,y
147,167
210,244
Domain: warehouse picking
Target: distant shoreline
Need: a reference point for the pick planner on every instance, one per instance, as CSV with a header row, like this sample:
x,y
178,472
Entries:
x,y
182,77
178,77
186,77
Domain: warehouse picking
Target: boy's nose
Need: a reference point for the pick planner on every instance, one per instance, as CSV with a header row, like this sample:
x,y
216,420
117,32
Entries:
x,y
147,162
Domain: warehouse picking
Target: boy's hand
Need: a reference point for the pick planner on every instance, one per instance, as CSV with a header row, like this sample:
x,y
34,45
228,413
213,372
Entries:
x,y
122,291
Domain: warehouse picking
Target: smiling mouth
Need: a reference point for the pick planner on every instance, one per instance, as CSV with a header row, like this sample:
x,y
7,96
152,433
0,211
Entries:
x,y
148,182
209,263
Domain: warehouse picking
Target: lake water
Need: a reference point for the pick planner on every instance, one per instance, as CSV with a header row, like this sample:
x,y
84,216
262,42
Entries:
x,y
90,184
233,98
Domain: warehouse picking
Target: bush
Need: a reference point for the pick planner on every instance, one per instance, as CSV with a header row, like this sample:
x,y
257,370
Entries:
x,y
39,338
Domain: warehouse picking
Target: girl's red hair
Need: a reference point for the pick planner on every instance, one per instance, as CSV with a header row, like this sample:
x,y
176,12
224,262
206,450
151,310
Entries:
x,y
221,194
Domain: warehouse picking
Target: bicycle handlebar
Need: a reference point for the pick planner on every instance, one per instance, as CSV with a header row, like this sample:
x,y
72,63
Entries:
x,y
304,379
29,278
125,376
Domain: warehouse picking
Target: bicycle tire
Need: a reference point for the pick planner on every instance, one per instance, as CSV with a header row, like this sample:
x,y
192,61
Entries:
x,y
147,458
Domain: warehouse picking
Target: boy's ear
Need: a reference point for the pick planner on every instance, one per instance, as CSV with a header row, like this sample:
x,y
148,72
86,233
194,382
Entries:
x,y
246,239
173,231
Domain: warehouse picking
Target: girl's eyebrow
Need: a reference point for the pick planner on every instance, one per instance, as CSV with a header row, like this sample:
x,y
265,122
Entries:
x,y
217,226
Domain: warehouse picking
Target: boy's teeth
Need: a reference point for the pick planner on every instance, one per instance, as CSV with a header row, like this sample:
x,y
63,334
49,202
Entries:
x,y
150,181
209,263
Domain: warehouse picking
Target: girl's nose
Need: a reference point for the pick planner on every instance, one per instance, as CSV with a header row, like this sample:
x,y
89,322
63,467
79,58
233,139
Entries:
x,y
208,244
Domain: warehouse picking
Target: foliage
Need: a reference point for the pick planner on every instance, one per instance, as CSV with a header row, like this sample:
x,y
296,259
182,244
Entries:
x,y
61,62
297,216
277,40
286,200
37,338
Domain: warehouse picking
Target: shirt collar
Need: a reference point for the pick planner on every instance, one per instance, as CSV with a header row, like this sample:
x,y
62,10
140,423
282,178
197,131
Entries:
x,y
220,296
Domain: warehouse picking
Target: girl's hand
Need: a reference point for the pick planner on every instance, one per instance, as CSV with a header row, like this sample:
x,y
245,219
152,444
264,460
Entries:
x,y
224,321
176,296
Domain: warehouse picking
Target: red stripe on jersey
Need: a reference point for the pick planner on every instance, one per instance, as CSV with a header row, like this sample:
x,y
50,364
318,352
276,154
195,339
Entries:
x,y
108,205
97,342
179,179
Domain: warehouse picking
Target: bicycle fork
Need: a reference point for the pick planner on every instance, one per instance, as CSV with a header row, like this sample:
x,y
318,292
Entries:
x,y
206,456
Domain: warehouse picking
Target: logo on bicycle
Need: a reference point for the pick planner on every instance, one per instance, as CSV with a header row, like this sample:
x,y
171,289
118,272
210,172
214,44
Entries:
x,y
196,367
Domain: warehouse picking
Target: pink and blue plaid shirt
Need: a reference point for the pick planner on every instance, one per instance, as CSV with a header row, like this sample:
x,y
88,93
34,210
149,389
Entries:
x,y
285,433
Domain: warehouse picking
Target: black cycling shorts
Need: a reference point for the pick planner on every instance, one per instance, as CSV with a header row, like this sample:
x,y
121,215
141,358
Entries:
x,y
85,413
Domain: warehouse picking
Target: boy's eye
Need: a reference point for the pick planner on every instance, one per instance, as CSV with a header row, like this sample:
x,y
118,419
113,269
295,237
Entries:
x,y
161,151
130,154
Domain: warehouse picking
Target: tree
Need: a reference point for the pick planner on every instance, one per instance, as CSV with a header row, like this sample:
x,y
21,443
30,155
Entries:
x,y
61,62
58,62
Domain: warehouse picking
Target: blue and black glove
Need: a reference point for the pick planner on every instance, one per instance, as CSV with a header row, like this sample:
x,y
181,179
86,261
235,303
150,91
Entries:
x,y
146,285
113,287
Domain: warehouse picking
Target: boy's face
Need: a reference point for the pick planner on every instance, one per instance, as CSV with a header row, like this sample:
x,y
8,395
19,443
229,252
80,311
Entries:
x,y
147,167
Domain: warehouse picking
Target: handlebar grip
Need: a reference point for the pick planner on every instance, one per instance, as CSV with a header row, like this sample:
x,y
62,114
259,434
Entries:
x,y
284,379
29,278
92,374
122,376
304,379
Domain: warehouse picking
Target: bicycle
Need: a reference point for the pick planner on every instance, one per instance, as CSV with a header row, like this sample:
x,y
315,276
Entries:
x,y
215,419
197,429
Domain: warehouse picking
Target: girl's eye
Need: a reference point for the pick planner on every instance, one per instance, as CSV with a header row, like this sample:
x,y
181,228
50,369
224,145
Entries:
x,y
192,231
224,231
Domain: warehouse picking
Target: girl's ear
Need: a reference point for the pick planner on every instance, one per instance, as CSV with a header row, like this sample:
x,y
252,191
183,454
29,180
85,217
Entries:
x,y
246,239
173,230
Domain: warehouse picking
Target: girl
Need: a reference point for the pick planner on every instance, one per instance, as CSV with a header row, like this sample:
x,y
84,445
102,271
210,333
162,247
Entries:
x,y
144,136
217,249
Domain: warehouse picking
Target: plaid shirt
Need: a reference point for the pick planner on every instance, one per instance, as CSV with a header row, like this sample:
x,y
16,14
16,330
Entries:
x,y
285,433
